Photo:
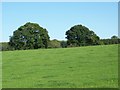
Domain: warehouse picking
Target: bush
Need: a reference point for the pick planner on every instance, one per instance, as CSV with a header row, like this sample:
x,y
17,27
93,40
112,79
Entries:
x,y
63,44
54,44
5,47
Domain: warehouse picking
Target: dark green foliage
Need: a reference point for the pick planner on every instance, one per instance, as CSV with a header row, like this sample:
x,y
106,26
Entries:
x,y
114,37
110,41
32,36
54,44
4,46
29,36
114,40
63,44
79,35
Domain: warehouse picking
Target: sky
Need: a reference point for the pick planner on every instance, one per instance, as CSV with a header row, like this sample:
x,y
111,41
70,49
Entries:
x,y
60,0
58,17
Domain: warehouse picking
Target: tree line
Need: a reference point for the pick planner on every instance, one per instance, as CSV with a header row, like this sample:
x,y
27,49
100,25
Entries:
x,y
33,36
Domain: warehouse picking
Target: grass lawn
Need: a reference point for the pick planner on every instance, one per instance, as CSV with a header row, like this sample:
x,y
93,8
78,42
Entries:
x,y
0,70
80,67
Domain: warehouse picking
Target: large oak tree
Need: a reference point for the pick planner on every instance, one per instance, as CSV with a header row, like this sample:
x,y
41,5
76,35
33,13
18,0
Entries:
x,y
79,35
29,36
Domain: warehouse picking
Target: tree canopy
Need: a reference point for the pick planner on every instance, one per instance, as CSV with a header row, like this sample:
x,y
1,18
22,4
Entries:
x,y
114,37
33,36
54,43
79,35
29,36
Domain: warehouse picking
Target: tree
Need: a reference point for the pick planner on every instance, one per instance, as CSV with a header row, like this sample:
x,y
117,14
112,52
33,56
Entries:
x,y
79,35
4,46
114,40
63,44
54,44
29,36
114,37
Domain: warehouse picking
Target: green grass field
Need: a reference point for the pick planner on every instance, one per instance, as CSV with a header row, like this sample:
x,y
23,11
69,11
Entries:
x,y
80,67
0,70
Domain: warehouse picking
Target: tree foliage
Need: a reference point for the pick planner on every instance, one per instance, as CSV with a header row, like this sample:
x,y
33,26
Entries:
x,y
32,36
54,44
79,35
114,40
63,44
29,36
114,37
4,46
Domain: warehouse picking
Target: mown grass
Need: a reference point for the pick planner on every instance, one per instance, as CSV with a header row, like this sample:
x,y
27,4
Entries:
x,y
80,67
0,70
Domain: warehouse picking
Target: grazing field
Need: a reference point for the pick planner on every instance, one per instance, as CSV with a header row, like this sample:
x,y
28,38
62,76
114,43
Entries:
x,y
0,70
80,67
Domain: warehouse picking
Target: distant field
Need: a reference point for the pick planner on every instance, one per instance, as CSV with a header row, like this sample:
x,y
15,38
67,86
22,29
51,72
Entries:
x,y
80,67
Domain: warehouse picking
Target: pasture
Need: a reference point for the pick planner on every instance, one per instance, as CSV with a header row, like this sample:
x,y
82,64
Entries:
x,y
79,67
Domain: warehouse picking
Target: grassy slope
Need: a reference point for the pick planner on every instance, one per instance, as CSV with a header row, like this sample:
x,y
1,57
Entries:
x,y
81,67
0,70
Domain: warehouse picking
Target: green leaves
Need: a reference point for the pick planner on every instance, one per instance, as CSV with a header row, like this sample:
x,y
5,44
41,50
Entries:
x,y
79,35
29,36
